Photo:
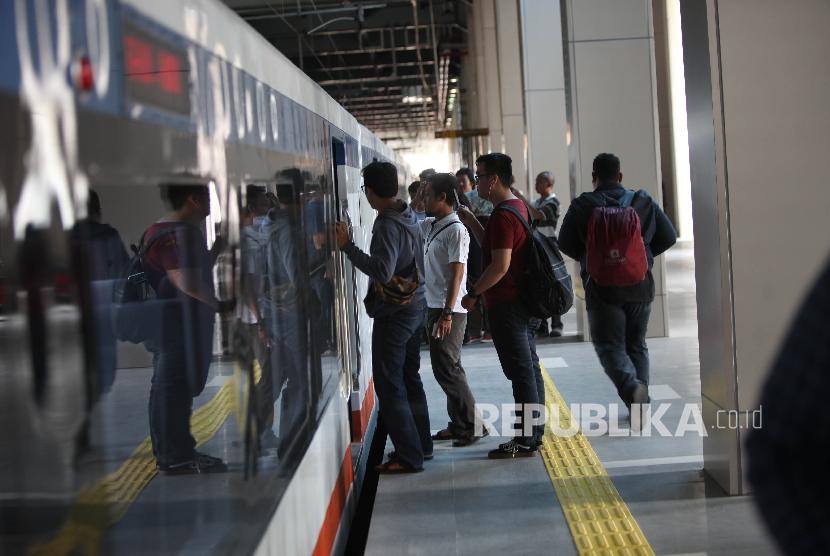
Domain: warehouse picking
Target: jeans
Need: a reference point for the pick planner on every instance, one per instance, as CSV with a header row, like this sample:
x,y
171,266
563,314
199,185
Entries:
x,y
396,361
618,331
181,359
445,355
513,330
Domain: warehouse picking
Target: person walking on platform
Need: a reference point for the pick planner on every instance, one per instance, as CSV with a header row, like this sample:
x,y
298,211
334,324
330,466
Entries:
x,y
615,233
505,245
446,248
395,300
180,270
545,213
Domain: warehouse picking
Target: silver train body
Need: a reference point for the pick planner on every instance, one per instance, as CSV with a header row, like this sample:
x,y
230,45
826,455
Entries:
x,y
118,96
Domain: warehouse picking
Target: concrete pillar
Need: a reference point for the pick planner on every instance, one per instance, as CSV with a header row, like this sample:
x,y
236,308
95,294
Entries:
x,y
488,76
544,95
756,82
510,89
613,105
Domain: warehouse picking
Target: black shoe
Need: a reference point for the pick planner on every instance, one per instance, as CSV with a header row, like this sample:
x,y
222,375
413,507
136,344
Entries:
x,y
202,463
394,455
467,440
512,449
556,333
444,434
640,394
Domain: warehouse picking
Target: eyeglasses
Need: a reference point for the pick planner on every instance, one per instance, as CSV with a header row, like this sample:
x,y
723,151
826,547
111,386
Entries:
x,y
478,177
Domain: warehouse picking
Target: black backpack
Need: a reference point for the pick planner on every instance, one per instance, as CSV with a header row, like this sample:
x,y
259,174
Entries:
x,y
546,287
137,312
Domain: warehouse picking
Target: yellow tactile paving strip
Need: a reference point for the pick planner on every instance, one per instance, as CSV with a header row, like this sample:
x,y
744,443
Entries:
x,y
105,502
599,519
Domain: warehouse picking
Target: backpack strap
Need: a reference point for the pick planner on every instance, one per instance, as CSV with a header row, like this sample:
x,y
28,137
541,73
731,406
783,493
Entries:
x,y
518,215
145,243
439,232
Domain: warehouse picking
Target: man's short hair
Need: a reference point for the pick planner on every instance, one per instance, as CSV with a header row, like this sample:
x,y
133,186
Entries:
x,y
177,194
446,184
413,188
547,175
497,164
606,167
466,172
427,173
382,178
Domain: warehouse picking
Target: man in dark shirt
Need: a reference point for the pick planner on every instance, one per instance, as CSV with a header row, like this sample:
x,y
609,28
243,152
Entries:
x,y
505,247
618,316
396,250
179,268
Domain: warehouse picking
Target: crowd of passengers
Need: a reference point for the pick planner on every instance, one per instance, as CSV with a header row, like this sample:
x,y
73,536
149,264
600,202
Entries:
x,y
459,249
446,269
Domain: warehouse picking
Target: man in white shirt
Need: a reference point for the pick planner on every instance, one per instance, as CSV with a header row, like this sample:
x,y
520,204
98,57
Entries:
x,y
446,245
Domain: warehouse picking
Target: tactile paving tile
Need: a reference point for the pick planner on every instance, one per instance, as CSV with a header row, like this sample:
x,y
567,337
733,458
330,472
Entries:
x,y
105,502
599,519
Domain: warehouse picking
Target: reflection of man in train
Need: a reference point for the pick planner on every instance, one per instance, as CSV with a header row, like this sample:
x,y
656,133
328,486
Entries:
x,y
102,256
99,257
283,310
396,251
320,273
254,248
179,268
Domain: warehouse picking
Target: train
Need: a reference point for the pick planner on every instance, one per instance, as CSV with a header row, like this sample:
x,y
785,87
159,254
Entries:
x,y
111,99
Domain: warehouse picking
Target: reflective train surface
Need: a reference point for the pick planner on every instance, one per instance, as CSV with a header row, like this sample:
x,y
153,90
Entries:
x,y
108,106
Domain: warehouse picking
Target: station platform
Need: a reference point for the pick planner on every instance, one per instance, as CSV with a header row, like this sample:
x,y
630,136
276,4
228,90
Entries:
x,y
464,503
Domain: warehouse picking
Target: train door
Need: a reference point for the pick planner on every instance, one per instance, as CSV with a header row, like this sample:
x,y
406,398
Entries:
x,y
348,302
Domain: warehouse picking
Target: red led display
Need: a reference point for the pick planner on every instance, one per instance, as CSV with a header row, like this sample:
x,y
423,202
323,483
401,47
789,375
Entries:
x,y
156,73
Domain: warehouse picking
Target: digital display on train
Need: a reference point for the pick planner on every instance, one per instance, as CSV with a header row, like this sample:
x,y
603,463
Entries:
x,y
156,73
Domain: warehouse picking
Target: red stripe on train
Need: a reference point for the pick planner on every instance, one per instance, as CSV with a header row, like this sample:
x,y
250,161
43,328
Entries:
x,y
337,502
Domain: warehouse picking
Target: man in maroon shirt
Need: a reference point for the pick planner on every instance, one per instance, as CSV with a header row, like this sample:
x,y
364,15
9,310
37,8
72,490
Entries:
x,y
179,268
505,246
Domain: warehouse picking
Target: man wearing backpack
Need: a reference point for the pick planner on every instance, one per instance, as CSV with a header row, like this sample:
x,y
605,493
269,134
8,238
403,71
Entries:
x,y
395,300
180,270
615,233
505,246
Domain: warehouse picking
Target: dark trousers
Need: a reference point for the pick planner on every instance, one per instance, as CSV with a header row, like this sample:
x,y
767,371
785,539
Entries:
x,y
445,355
513,331
396,361
181,358
618,331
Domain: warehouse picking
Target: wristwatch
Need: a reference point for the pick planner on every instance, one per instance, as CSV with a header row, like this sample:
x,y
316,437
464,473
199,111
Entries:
x,y
446,313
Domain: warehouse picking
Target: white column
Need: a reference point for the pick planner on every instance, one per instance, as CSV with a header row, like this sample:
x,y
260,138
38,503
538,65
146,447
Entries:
x,y
756,92
544,94
614,104
511,94
489,75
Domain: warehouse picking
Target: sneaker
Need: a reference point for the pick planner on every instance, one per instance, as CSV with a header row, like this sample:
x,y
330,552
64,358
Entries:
x,y
512,449
487,338
467,440
474,338
556,333
202,463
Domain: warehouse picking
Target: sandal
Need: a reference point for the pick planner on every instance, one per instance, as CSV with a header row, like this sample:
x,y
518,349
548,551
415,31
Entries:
x,y
396,467
443,434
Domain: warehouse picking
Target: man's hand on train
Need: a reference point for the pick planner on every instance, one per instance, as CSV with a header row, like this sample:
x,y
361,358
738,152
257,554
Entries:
x,y
341,230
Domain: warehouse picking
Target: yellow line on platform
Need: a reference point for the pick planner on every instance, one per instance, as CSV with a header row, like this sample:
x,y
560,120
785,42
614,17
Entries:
x,y
598,517
105,502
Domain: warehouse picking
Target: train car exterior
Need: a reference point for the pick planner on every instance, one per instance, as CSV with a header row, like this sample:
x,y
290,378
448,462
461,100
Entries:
x,y
118,98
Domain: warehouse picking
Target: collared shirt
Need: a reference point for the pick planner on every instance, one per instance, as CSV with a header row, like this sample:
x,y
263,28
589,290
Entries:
x,y
446,241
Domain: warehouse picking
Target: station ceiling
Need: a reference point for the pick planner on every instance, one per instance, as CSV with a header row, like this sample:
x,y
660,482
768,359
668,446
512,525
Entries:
x,y
391,63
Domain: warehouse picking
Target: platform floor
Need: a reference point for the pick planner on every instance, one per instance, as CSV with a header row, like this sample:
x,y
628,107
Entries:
x,y
464,503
